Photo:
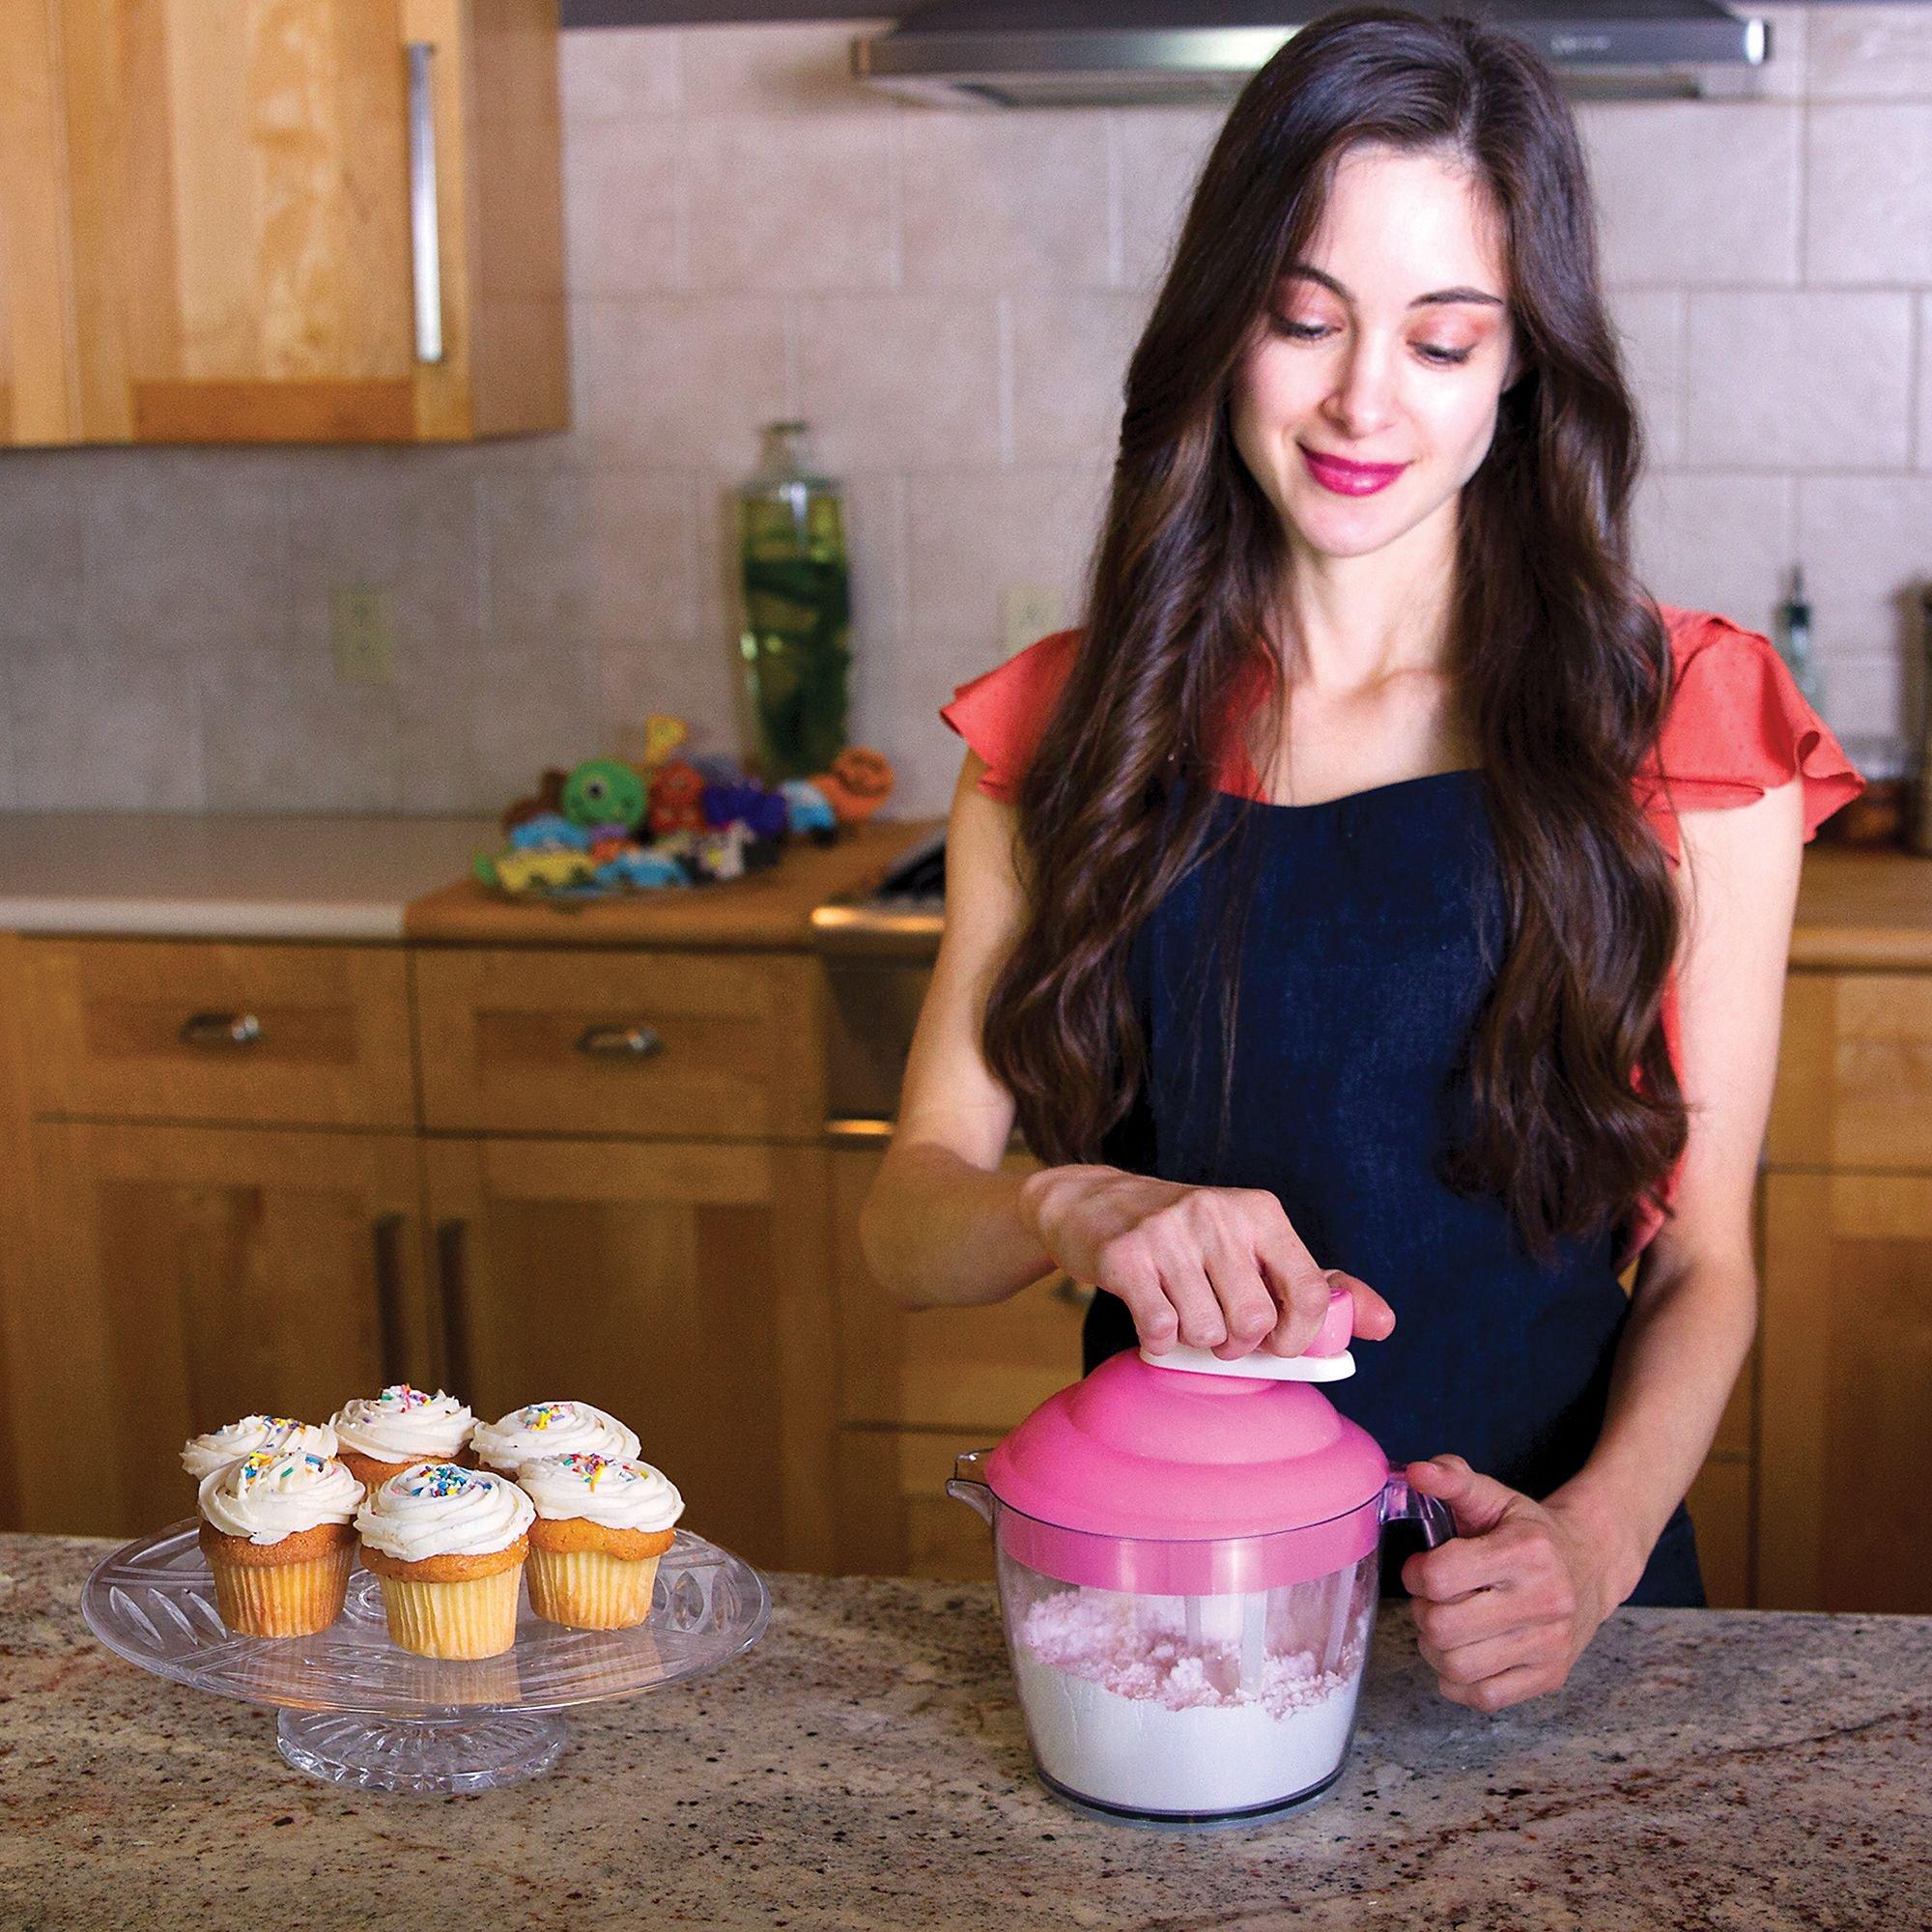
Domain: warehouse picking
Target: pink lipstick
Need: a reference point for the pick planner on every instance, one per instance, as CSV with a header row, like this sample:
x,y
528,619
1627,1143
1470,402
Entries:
x,y
1351,479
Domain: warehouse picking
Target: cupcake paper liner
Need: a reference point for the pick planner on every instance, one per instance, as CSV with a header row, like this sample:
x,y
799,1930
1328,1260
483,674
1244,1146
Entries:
x,y
476,1617
590,1589
282,1599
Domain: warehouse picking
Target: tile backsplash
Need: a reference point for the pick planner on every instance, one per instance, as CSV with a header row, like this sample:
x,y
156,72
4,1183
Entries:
x,y
949,297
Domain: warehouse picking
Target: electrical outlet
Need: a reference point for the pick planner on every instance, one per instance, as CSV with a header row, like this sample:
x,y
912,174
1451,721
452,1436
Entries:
x,y
1032,612
362,635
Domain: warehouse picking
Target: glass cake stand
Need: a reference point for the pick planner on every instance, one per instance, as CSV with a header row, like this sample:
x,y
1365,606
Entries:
x,y
355,1709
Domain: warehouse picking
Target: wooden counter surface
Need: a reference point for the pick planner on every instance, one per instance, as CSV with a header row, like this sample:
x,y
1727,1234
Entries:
x,y
763,911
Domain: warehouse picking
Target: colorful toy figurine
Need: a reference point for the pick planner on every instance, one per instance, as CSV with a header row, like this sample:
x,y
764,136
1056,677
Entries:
x,y
858,782
678,799
549,832
605,792
529,872
641,868
764,811
606,826
662,735
721,854
808,812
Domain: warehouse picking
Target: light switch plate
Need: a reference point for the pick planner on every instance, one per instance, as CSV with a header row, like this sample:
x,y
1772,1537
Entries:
x,y
362,635
1032,612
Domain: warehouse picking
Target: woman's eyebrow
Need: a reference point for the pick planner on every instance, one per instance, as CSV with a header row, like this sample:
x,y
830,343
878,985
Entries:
x,y
1457,295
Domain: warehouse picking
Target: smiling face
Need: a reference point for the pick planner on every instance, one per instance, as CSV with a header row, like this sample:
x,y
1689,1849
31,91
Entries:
x,y
1350,362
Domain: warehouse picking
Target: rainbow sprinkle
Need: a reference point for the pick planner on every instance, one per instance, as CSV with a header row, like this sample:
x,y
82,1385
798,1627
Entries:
x,y
588,1466
439,1479
400,1395
275,1465
542,1415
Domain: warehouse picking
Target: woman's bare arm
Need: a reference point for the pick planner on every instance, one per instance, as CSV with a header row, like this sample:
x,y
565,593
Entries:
x,y
1695,1308
942,1223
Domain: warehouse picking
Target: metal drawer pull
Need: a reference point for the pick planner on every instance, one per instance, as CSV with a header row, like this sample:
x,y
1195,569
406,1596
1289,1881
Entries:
x,y
620,1042
220,1030
425,237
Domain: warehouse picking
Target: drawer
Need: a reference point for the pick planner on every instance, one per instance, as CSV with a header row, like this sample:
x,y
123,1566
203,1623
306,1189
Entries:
x,y
306,1035
1855,1073
715,1045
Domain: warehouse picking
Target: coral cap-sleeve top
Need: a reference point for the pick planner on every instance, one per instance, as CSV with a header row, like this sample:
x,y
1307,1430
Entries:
x,y
1736,727
1368,950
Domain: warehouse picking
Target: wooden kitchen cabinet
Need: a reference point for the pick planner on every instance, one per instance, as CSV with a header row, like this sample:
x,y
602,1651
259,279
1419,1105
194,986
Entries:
x,y
717,1046
684,1285
139,1029
189,1275
1845,1514
918,1387
37,403
247,264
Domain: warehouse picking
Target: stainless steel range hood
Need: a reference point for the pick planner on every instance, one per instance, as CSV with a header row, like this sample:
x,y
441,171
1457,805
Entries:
x,y
1106,53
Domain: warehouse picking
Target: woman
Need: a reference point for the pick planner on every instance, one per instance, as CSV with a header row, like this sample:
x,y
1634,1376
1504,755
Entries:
x,y
1378,889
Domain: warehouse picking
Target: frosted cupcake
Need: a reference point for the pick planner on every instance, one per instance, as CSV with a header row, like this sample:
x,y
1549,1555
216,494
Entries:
x,y
601,1526
276,1529
551,1429
254,1435
448,1544
383,1435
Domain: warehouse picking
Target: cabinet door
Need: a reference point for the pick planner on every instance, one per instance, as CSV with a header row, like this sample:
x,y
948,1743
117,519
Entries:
x,y
188,1275
680,1285
918,1387
36,398
250,262
1844,1513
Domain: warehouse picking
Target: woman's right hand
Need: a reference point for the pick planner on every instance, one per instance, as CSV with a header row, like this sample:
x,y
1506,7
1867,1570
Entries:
x,y
1214,1268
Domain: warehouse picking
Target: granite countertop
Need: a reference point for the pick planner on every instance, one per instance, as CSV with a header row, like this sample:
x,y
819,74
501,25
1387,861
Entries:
x,y
864,1768
241,877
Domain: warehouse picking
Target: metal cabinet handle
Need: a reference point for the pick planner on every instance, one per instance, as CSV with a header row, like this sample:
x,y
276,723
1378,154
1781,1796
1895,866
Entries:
x,y
450,1242
425,227
620,1042
220,1030
385,1232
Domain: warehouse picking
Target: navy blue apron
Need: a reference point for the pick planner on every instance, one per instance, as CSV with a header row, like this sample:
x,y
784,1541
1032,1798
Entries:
x,y
1370,940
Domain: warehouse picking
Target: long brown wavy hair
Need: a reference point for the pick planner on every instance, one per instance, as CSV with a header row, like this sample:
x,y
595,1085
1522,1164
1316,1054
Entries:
x,y
1560,659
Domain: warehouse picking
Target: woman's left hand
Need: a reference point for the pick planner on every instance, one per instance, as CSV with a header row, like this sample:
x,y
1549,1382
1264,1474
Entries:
x,y
1511,1602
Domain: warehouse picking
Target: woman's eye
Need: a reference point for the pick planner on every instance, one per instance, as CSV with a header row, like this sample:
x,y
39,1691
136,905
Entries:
x,y
1430,352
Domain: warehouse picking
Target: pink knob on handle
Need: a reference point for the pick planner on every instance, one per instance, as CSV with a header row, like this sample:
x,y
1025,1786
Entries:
x,y
1338,1325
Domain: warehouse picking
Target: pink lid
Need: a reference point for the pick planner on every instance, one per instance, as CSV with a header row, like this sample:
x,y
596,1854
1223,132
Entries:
x,y
1145,1452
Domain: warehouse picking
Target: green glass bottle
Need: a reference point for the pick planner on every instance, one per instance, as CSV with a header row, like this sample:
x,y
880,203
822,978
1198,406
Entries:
x,y
796,641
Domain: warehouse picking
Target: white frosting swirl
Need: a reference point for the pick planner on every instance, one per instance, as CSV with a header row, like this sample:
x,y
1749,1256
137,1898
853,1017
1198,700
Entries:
x,y
435,1509
619,1494
202,1455
551,1429
276,1493
404,1424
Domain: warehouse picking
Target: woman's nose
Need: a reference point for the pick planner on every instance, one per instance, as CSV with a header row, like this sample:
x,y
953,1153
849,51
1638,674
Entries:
x,y
1363,401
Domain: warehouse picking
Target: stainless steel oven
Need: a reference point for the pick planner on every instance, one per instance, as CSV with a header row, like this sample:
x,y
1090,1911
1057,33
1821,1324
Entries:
x,y
878,949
